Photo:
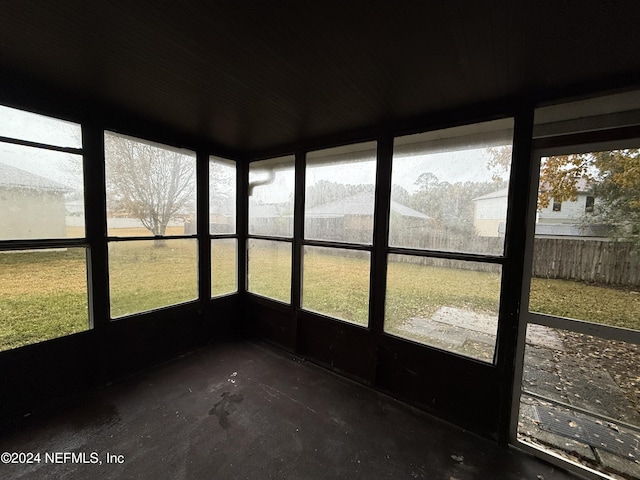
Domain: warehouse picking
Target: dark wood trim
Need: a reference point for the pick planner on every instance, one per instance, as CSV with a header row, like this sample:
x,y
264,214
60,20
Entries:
x,y
378,280
512,271
202,223
43,146
95,212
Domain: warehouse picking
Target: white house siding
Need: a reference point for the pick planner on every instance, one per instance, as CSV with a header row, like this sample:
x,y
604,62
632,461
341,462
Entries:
x,y
570,212
27,214
489,214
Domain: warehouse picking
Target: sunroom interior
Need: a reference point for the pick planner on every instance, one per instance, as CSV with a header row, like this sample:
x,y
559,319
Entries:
x,y
349,185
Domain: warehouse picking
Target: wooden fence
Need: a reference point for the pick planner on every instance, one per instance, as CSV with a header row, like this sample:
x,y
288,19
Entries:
x,y
591,261
606,263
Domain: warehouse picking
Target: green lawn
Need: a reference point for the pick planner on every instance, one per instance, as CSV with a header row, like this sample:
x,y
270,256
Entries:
x,y
43,294
143,276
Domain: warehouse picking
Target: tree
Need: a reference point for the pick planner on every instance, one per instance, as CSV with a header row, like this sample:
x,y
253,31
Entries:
x,y
560,175
617,188
613,177
147,182
450,204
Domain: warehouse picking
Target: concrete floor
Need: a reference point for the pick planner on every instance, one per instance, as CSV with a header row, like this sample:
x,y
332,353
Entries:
x,y
247,411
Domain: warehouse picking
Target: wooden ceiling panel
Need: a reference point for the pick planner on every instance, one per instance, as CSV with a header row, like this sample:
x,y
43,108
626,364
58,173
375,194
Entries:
x,y
250,76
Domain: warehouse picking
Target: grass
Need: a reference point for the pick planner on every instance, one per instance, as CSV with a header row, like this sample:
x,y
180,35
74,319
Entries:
x,y
43,295
337,286
143,276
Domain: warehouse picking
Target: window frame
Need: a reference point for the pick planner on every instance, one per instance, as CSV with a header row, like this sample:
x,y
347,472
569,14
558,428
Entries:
x,y
48,243
223,236
113,239
503,259
332,244
248,236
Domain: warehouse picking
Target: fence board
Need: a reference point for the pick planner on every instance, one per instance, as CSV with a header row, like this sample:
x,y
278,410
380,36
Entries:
x,y
592,261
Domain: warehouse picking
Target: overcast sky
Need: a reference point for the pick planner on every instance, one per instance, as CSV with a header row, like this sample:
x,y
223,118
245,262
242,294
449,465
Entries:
x,y
456,166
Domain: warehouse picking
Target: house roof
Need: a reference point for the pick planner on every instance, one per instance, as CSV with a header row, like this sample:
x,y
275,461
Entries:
x,y
360,204
503,192
582,186
13,177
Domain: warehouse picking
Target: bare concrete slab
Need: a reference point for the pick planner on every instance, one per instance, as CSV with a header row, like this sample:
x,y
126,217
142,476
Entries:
x,y
468,320
246,411
544,337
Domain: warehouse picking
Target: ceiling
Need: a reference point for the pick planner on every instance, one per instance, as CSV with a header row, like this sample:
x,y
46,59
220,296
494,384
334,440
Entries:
x,y
251,76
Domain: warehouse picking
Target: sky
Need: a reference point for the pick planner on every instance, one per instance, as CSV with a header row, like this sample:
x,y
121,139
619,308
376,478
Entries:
x,y
36,128
453,167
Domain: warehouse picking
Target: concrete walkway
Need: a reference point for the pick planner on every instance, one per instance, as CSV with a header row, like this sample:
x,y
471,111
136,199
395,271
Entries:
x,y
575,380
553,372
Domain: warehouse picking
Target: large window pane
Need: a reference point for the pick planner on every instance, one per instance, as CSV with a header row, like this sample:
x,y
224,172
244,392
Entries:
x,y
339,196
450,188
586,260
149,274
448,304
41,193
269,271
222,196
336,283
43,295
151,188
224,265
271,190
40,129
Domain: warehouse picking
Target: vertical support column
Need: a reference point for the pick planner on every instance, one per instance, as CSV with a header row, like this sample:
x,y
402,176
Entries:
x,y
512,273
378,281
95,213
242,223
298,236
202,223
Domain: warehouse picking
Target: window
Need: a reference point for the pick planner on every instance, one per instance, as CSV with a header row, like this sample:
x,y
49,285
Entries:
x,y
222,226
589,204
449,189
271,192
449,202
339,209
339,194
271,186
269,272
578,362
43,250
557,206
336,283
151,198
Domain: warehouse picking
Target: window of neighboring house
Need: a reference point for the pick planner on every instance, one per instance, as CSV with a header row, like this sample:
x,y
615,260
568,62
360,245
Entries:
x,y
589,204
557,206
222,226
269,248
338,231
43,249
446,237
151,218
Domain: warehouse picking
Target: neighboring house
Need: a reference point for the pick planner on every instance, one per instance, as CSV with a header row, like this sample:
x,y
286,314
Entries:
x,y
353,217
558,219
568,212
270,218
490,213
31,206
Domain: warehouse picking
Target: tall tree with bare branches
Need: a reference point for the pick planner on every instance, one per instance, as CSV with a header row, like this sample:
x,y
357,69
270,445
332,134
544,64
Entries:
x,y
150,183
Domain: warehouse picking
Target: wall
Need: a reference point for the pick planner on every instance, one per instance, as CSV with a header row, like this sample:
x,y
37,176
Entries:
x,y
571,212
37,214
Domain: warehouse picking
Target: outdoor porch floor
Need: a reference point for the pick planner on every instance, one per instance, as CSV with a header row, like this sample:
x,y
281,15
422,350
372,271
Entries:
x,y
246,410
